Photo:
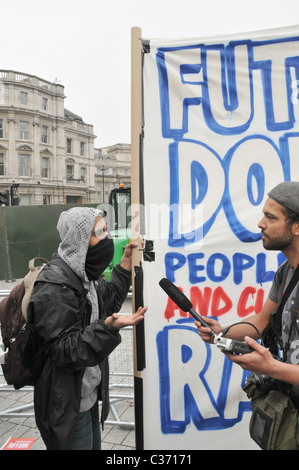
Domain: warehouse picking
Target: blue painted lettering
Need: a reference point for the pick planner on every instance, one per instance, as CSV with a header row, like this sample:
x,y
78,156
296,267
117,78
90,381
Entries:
x,y
217,267
215,74
185,393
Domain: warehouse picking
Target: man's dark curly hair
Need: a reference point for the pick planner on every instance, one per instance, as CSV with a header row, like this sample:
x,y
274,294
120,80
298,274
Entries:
x,y
291,216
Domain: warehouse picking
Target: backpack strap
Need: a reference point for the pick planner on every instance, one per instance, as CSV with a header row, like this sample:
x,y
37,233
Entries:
x,y
32,266
287,293
29,281
271,334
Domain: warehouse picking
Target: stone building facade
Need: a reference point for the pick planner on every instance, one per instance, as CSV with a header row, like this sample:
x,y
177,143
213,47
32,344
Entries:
x,y
113,168
44,148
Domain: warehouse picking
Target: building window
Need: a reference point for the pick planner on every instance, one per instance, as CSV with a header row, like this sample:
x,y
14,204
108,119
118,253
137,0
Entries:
x,y
68,145
83,174
46,199
24,165
82,149
1,128
23,97
75,200
69,172
1,164
25,200
45,167
24,130
44,104
45,134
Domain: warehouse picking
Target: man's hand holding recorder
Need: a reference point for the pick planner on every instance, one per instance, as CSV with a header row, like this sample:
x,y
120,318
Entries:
x,y
260,360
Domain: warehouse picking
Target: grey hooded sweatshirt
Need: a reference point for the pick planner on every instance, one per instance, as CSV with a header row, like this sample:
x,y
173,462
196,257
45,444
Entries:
x,y
75,228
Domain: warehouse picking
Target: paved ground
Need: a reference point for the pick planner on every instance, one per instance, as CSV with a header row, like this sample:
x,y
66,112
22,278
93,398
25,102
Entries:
x,y
119,432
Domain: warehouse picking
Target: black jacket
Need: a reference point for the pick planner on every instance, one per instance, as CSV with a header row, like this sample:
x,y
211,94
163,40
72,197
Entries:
x,y
71,344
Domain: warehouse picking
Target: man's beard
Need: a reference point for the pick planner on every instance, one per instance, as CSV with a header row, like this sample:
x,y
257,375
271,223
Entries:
x,y
279,244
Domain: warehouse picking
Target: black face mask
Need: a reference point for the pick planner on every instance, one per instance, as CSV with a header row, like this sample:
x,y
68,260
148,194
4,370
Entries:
x,y
98,258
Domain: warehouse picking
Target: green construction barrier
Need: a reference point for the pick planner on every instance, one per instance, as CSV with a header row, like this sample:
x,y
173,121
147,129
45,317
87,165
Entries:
x,y
27,232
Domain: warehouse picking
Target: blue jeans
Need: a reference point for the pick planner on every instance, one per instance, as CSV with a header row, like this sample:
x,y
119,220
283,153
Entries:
x,y
87,434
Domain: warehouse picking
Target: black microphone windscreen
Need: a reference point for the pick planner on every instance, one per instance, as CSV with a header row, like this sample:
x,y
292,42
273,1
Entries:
x,y
175,294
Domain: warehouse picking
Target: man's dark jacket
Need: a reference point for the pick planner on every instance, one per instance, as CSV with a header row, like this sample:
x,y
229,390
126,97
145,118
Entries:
x,y
72,344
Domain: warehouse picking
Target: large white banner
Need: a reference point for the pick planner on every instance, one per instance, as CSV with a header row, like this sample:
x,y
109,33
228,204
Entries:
x,y
220,130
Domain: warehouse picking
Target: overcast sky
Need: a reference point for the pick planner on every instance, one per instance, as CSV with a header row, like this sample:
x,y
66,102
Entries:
x,y
86,44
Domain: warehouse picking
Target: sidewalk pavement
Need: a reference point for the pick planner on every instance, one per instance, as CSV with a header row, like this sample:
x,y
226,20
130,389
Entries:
x,y
115,436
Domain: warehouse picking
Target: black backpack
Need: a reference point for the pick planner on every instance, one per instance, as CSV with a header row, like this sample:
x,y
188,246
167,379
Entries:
x,y
24,352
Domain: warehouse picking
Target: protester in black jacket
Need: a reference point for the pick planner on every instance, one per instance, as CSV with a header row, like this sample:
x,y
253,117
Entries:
x,y
77,343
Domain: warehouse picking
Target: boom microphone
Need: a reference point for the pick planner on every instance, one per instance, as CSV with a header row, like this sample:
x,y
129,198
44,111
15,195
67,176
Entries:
x,y
182,301
227,344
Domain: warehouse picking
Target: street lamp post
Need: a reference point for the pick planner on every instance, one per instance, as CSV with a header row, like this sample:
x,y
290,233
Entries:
x,y
103,173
